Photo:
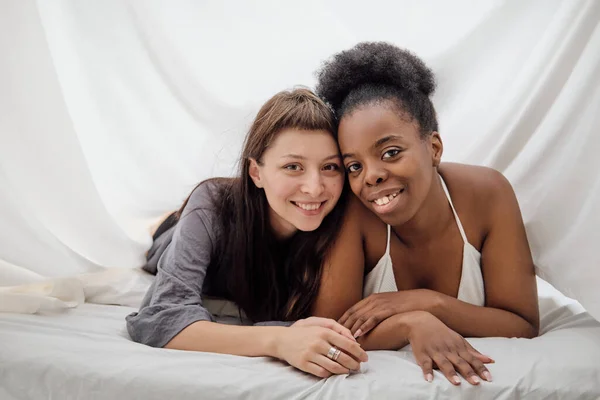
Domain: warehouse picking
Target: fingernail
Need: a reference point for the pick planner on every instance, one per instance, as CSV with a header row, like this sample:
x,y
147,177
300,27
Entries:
x,y
429,378
357,333
475,380
487,376
456,380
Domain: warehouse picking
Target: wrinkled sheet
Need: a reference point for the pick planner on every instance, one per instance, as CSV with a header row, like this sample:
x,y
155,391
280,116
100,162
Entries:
x,y
85,353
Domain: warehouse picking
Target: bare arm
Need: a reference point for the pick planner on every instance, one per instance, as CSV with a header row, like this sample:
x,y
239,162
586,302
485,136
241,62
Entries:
x,y
511,307
343,272
252,341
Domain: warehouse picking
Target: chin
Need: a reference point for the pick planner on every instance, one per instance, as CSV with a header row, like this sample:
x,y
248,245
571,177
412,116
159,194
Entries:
x,y
396,219
308,227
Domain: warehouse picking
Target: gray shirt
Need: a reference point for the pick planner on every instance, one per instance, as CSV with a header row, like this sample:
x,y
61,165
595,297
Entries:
x,y
180,257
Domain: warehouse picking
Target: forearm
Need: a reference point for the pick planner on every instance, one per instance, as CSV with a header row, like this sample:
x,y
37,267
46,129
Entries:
x,y
476,321
252,341
391,334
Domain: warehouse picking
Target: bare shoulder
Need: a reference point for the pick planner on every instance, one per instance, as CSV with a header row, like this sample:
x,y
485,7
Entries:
x,y
360,224
360,217
480,195
482,183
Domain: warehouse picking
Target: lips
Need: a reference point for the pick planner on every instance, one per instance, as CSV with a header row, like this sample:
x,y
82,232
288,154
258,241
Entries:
x,y
385,197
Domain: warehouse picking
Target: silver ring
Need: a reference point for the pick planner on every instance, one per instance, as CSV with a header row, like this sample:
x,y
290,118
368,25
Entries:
x,y
332,352
336,355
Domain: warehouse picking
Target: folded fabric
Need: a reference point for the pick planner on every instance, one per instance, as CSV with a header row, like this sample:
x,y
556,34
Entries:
x,y
118,286
49,295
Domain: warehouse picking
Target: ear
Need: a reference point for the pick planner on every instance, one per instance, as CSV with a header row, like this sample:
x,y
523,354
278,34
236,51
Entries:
x,y
437,148
254,172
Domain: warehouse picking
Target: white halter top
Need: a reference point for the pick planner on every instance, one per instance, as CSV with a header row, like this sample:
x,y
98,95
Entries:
x,y
471,289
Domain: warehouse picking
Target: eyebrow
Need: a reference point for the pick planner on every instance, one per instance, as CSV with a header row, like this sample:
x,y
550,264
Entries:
x,y
299,157
378,143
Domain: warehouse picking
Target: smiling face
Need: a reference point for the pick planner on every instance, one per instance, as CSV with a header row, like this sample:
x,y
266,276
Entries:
x,y
389,165
302,176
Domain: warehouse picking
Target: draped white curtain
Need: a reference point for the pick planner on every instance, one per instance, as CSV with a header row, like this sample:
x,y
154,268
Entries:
x,y
111,111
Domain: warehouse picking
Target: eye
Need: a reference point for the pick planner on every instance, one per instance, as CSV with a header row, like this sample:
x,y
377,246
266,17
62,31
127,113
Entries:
x,y
354,167
292,167
331,167
390,153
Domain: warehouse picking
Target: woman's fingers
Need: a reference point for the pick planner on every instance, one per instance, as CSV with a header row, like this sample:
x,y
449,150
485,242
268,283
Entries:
x,y
350,347
477,365
452,363
316,370
358,322
330,365
353,313
370,323
339,328
353,321
482,357
359,318
347,361
426,365
326,323
446,368
464,368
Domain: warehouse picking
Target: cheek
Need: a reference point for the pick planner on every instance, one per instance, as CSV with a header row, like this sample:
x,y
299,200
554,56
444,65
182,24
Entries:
x,y
335,185
422,169
281,188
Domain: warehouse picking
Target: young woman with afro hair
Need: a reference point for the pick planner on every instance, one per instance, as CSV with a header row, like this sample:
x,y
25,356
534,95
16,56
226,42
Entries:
x,y
429,252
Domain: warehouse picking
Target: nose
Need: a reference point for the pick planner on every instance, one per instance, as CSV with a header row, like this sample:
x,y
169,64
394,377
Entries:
x,y
375,176
313,184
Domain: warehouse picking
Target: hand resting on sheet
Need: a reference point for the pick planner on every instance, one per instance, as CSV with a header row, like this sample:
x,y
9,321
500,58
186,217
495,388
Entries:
x,y
434,345
303,345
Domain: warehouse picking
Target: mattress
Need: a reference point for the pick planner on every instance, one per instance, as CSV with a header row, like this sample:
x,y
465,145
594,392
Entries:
x,y
86,353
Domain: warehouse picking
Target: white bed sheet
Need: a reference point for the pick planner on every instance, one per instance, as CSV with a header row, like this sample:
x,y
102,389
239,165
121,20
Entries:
x,y
85,353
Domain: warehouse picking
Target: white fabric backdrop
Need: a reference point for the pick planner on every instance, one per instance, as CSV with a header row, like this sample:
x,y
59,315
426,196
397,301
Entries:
x,y
111,111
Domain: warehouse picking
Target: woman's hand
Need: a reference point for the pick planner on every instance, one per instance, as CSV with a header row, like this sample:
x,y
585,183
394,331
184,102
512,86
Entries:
x,y
436,345
305,345
370,311
325,323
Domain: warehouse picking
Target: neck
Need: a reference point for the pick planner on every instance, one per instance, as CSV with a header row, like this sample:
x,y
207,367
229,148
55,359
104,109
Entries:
x,y
431,218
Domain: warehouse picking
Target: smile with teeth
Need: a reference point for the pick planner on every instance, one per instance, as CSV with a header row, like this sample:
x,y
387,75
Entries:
x,y
386,199
309,206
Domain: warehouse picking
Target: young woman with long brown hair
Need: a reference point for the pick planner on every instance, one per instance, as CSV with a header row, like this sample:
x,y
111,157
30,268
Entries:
x,y
258,240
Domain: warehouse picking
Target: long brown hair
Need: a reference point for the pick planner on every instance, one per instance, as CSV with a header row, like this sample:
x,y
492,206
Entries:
x,y
267,279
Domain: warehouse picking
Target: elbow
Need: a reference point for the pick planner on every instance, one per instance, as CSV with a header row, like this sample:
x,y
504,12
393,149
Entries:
x,y
525,325
535,328
532,325
530,329
525,330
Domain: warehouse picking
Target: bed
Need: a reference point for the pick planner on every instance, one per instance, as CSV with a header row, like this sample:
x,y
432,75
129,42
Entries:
x,y
86,353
